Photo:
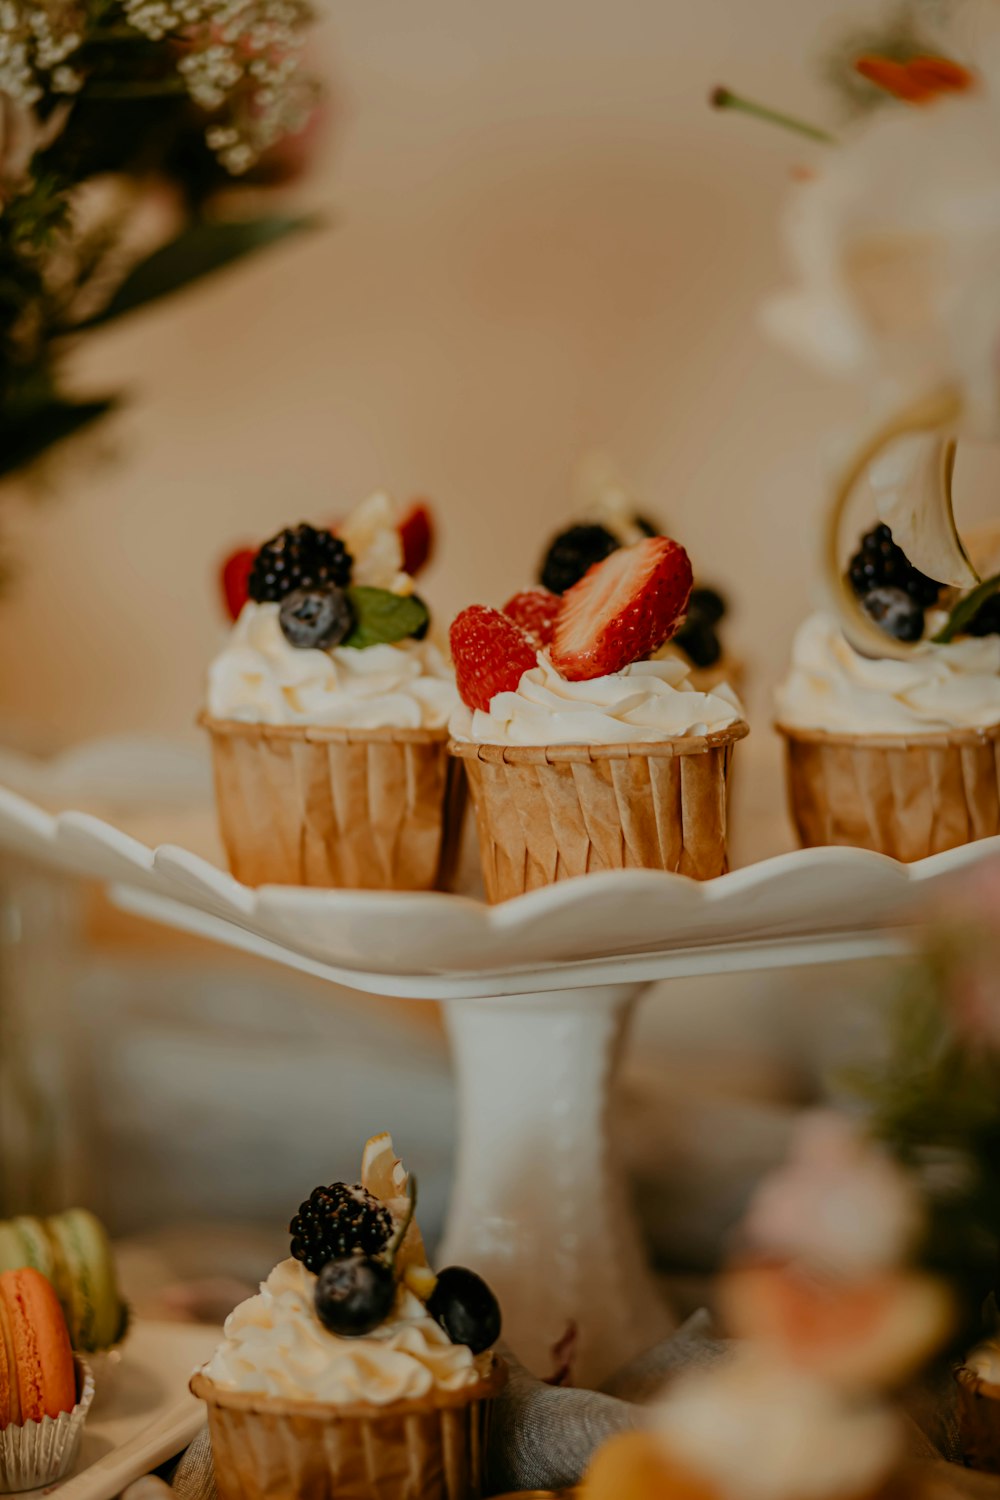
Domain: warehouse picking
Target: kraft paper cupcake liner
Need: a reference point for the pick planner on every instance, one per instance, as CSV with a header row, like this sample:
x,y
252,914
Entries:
x,y
908,796
978,1418
549,812
268,1448
34,1454
376,809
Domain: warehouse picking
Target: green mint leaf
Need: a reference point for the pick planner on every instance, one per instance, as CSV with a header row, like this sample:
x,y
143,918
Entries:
x,y
381,617
966,610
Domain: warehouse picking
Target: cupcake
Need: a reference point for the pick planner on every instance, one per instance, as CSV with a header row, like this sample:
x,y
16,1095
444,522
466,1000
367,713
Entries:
x,y
73,1252
896,753
749,1430
586,746
355,1371
328,710
978,1411
609,520
44,1393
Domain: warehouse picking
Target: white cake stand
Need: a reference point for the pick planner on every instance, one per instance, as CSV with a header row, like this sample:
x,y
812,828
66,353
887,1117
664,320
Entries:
x,y
537,995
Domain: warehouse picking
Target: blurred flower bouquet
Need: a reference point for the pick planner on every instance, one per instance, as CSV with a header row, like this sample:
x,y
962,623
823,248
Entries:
x,y
120,123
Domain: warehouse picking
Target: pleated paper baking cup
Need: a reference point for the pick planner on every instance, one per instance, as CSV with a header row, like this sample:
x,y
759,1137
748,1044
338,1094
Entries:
x,y
268,1448
908,796
977,1415
38,1453
378,809
549,812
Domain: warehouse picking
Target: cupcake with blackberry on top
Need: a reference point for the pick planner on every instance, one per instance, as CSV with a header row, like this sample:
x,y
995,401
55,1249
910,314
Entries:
x,y
896,752
356,1370
328,710
587,747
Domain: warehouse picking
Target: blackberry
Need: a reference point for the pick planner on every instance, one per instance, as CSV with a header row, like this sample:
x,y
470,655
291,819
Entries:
x,y
879,563
706,605
336,1222
986,620
299,557
699,642
572,552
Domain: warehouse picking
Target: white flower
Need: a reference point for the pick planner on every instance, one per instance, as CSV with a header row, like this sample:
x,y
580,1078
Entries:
x,y
840,1204
896,248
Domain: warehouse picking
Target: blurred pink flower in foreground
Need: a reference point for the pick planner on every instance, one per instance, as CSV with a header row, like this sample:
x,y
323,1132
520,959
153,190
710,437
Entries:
x,y
840,1205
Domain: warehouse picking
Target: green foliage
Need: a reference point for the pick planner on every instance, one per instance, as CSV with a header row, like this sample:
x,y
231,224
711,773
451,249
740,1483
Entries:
x,y
935,1103
199,250
381,617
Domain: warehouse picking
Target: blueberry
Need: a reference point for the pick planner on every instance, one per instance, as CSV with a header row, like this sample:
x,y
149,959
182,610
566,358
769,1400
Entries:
x,y
896,612
465,1308
706,605
699,642
354,1295
318,618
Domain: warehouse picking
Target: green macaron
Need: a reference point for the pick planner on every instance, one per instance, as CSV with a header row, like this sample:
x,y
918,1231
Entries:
x,y
85,1279
24,1242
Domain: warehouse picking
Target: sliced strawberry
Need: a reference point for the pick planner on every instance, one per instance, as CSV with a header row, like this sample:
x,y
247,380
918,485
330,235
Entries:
x,y
622,609
535,611
234,577
416,532
490,654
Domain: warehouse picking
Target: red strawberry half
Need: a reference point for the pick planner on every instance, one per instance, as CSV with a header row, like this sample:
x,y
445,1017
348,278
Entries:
x,y
622,609
490,653
535,610
416,532
234,577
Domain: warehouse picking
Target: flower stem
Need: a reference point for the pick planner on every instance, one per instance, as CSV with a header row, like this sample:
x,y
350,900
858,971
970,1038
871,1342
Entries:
x,y
722,98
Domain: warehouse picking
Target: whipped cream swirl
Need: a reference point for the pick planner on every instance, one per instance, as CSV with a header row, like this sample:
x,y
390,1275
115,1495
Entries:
x,y
831,686
275,1345
260,678
649,700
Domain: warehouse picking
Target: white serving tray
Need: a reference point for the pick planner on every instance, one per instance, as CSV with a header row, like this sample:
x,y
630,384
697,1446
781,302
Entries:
x,y
147,1414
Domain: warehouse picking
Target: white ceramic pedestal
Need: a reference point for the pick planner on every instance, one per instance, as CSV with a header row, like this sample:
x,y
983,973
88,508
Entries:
x,y
540,1205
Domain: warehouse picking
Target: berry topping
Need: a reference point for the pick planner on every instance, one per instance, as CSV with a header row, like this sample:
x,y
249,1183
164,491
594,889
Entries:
x,y
986,620
465,1308
299,558
490,652
535,611
416,531
318,618
879,563
574,551
338,1221
697,637
235,580
354,1295
624,609
895,612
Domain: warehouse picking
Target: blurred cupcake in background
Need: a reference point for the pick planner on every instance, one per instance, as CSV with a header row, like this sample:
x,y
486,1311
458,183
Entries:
x,y
328,709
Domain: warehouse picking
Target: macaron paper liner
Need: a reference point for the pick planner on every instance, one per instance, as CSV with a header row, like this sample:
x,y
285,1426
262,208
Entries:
x,y
34,1454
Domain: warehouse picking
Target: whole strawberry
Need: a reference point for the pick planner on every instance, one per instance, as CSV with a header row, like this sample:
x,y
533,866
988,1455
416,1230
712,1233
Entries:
x,y
622,610
535,610
490,653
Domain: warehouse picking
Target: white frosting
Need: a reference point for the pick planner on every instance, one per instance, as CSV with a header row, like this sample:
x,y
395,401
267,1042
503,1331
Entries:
x,y
765,1432
985,1362
275,1344
260,678
649,700
831,686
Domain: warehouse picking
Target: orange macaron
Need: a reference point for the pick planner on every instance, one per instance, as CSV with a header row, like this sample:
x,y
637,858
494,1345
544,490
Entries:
x,y
37,1375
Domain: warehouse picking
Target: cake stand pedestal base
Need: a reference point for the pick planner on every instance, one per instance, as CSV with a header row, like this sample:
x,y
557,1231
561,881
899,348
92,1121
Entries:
x,y
540,1205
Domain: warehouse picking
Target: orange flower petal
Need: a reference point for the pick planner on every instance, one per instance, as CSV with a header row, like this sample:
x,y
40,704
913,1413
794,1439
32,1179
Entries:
x,y
895,78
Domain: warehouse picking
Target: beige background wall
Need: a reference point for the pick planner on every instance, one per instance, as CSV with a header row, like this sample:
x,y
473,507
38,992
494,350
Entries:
x,y
542,240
